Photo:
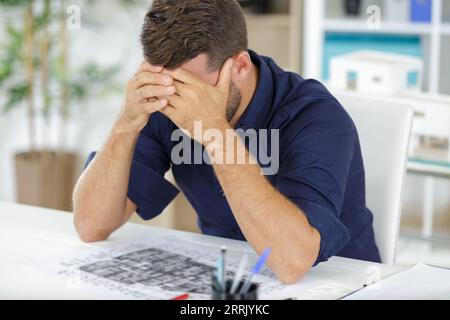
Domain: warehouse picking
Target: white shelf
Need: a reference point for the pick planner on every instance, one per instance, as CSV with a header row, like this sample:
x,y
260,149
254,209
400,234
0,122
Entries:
x,y
359,26
318,21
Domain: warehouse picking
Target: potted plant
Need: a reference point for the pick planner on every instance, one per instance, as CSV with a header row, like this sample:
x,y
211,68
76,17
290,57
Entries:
x,y
35,73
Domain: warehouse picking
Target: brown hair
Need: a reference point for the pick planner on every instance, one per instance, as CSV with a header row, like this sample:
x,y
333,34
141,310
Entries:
x,y
176,31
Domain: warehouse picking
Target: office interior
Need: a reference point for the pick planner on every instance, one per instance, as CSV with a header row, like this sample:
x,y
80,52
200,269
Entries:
x,y
79,93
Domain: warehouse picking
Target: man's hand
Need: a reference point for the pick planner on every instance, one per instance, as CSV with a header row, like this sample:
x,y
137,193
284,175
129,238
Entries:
x,y
196,100
146,93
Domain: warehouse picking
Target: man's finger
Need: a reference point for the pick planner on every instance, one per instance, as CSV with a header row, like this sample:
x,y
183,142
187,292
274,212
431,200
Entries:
x,y
180,87
145,66
150,78
151,91
174,100
152,107
226,75
182,75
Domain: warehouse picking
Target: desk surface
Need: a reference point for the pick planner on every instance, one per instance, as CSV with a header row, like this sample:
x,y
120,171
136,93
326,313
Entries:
x,y
31,235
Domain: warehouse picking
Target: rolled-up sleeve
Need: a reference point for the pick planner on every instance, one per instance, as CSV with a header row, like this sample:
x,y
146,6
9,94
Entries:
x,y
316,157
147,187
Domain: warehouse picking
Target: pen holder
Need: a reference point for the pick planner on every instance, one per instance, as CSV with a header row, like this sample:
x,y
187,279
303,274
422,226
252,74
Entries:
x,y
219,294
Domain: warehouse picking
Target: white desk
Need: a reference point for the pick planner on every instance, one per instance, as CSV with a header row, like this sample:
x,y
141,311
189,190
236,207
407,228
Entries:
x,y
37,235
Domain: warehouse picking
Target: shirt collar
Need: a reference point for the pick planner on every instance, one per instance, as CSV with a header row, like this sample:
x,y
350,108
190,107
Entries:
x,y
260,105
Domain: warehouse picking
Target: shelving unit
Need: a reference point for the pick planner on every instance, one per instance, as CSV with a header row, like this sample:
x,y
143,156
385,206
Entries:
x,y
323,16
296,39
359,26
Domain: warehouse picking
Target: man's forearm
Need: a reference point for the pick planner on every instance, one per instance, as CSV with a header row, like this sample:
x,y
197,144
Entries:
x,y
268,219
100,197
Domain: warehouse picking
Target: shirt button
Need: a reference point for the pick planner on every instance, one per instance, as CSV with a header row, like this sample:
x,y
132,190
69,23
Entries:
x,y
222,193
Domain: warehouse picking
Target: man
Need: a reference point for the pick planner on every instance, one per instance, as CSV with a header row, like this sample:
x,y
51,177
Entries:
x,y
198,70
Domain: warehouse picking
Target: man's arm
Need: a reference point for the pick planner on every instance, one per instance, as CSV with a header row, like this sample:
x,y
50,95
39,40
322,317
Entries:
x,y
267,218
100,198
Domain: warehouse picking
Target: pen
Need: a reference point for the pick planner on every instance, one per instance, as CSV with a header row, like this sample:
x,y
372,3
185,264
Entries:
x,y
216,284
239,274
218,276
256,269
223,279
184,296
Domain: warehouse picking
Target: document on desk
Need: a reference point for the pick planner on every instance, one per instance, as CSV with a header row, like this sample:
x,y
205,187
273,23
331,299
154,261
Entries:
x,y
421,282
162,268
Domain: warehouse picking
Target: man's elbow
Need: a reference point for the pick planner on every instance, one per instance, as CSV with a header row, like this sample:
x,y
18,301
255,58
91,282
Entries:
x,y
89,237
293,272
294,269
86,232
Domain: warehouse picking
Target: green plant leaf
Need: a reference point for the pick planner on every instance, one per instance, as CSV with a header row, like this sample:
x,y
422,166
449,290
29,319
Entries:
x,y
82,82
14,3
16,95
6,69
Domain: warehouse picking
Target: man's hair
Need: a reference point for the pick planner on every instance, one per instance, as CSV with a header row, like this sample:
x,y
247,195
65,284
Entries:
x,y
176,31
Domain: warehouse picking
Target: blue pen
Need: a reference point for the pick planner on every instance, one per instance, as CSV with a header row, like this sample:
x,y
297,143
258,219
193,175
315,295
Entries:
x,y
256,269
219,273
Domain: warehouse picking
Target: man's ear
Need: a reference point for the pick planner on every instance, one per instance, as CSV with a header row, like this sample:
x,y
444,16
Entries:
x,y
242,66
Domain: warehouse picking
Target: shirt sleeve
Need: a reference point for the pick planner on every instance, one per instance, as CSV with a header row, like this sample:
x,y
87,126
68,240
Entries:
x,y
147,187
318,150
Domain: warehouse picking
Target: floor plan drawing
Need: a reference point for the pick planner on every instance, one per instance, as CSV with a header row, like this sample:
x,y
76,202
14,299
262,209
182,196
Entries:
x,y
164,267
153,267
148,269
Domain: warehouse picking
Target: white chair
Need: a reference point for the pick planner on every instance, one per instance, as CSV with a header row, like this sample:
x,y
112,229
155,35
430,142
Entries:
x,y
384,129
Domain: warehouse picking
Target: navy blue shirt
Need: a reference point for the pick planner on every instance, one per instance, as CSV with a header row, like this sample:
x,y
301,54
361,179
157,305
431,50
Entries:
x,y
320,166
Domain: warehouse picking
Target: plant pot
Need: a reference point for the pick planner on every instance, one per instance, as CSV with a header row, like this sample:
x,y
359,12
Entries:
x,y
352,7
45,179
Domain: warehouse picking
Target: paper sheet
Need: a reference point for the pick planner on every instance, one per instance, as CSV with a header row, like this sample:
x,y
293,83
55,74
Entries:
x,y
420,282
162,268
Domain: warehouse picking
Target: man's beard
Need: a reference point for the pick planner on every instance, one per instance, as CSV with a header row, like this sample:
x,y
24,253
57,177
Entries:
x,y
234,102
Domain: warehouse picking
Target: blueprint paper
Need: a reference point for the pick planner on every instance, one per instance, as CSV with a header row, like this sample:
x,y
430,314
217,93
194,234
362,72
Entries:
x,y
162,268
